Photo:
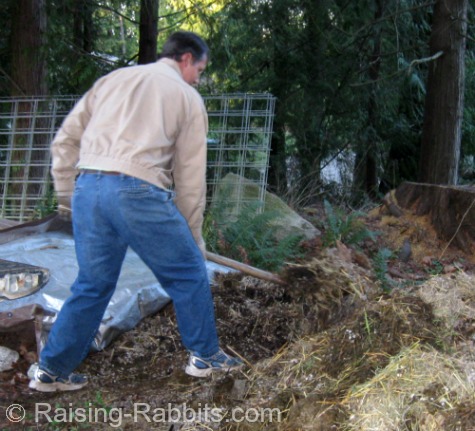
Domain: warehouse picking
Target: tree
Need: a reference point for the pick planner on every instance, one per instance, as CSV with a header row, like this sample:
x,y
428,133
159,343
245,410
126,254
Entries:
x,y
281,62
366,165
349,77
441,137
28,76
341,72
28,65
148,31
83,25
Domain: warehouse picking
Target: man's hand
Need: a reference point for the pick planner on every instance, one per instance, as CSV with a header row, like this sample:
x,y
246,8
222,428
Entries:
x,y
202,246
64,208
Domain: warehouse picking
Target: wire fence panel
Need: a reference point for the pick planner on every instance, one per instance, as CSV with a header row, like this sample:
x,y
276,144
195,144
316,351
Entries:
x,y
240,130
239,141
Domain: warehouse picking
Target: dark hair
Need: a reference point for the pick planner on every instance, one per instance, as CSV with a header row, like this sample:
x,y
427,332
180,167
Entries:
x,y
181,42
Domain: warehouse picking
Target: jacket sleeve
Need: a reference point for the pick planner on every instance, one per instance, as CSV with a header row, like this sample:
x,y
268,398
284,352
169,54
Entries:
x,y
66,146
189,171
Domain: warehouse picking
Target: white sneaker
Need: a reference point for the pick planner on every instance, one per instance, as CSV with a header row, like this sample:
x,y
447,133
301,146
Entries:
x,y
203,367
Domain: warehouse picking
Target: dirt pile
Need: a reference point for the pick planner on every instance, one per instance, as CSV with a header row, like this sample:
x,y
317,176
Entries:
x,y
383,367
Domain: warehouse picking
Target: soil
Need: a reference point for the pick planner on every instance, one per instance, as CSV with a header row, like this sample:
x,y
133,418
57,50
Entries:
x,y
306,345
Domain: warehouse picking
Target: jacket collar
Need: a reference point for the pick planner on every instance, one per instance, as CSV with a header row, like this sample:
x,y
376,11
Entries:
x,y
172,63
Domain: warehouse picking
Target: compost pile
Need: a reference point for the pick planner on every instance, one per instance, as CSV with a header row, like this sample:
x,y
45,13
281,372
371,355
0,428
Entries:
x,y
334,348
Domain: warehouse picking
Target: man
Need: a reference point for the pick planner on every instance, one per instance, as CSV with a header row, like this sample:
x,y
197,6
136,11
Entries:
x,y
136,132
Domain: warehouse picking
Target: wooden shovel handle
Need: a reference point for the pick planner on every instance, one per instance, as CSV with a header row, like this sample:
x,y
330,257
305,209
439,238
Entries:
x,y
246,269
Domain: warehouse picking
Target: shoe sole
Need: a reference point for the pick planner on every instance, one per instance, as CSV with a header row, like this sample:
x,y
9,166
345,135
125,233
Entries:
x,y
205,372
54,387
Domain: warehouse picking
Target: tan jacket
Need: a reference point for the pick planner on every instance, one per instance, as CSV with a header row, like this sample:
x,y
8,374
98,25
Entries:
x,y
146,122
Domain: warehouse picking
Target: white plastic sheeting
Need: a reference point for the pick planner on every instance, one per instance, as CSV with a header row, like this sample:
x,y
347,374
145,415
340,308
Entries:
x,y
138,293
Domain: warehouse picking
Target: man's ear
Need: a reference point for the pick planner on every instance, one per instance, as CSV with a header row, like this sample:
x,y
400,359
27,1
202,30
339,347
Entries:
x,y
187,58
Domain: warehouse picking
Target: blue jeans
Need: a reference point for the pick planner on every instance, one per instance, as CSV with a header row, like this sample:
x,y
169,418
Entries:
x,y
111,213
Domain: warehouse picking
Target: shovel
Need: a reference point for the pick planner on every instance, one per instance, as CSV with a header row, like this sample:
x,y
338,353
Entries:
x,y
242,267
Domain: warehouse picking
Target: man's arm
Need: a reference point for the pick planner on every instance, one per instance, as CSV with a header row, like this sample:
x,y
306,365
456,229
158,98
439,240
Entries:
x,y
189,172
66,145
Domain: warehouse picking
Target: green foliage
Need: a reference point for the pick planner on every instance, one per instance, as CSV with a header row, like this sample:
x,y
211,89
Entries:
x,y
317,57
380,262
112,41
348,229
436,267
47,206
5,57
252,237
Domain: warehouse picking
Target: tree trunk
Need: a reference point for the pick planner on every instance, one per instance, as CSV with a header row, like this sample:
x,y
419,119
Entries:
x,y
277,177
148,31
28,148
278,20
366,166
450,209
27,47
83,25
442,129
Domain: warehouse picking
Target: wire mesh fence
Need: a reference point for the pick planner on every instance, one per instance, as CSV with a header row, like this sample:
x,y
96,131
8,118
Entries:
x,y
240,129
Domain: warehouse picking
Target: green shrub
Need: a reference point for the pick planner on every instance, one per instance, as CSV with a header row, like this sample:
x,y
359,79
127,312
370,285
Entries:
x,y
252,237
380,262
46,206
348,229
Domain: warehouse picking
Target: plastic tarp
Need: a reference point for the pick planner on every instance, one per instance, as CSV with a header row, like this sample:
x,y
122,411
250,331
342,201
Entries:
x,y
49,244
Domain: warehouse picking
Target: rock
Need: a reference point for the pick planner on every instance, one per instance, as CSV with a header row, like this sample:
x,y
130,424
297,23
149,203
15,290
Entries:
x,y
361,259
239,389
405,252
449,269
7,358
234,188
427,260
